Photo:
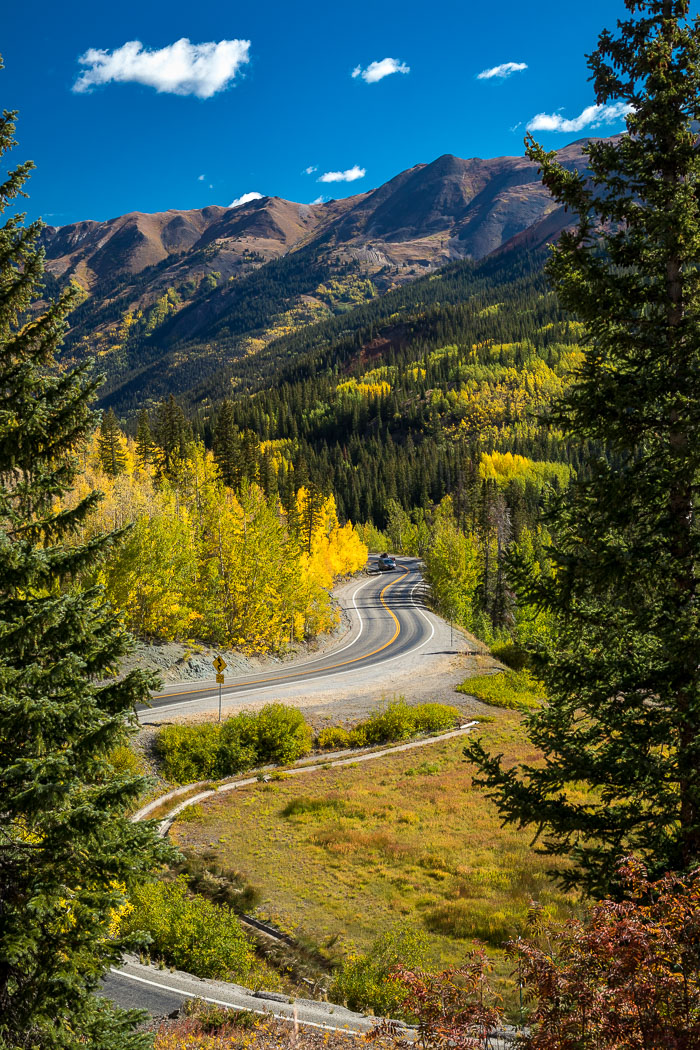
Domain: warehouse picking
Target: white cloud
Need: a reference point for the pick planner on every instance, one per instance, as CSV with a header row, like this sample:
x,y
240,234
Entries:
x,y
311,169
592,116
506,69
378,70
245,198
349,175
200,178
181,68
320,200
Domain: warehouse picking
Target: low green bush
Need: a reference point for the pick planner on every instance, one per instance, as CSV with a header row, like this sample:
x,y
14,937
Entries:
x,y
515,690
331,805
471,920
396,721
435,718
211,1019
358,736
364,982
281,734
299,807
188,753
335,738
189,932
276,733
207,878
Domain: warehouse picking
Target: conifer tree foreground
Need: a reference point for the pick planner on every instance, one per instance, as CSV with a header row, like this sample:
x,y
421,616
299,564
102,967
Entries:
x,y
621,732
68,854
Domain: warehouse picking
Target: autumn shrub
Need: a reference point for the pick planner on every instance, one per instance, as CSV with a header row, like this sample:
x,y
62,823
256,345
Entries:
x,y
515,690
456,1008
334,738
628,976
365,981
189,931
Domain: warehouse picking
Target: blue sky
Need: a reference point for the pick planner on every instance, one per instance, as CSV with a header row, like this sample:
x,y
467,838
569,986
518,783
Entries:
x,y
274,94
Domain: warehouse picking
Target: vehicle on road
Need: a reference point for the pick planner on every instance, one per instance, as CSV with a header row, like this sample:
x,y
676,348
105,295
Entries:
x,y
386,563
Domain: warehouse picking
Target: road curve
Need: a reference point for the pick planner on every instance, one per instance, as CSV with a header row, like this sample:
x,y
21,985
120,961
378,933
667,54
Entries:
x,y
389,624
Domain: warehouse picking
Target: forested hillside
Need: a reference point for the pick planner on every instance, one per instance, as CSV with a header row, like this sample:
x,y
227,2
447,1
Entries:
x,y
422,413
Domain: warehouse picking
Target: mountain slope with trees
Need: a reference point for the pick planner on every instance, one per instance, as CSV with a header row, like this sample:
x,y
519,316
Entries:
x,y
218,284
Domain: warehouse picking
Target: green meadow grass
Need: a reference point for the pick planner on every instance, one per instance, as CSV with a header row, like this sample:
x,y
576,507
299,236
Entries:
x,y
342,855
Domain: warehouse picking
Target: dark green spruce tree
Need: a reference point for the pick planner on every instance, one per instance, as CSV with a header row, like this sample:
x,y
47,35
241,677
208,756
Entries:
x,y
109,445
68,853
227,446
144,438
621,732
173,436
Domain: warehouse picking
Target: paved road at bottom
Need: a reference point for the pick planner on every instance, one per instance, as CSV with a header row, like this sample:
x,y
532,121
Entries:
x,y
160,992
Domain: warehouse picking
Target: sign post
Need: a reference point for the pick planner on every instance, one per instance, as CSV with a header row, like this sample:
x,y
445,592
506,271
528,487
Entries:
x,y
220,666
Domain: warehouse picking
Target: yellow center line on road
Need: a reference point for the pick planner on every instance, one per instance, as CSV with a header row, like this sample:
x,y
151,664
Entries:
x,y
315,670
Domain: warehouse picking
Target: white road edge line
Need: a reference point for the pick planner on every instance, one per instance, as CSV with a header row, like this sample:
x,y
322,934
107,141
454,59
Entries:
x,y
233,1006
308,681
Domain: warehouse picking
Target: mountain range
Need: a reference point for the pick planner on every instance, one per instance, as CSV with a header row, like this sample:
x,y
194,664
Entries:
x,y
224,282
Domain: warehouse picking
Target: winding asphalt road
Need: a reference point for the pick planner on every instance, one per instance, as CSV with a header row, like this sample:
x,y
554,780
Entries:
x,y
389,625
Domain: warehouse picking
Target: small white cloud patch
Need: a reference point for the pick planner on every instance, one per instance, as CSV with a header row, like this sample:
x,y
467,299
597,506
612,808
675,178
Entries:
x,y
311,169
592,116
181,68
378,70
201,178
245,198
506,69
319,200
349,175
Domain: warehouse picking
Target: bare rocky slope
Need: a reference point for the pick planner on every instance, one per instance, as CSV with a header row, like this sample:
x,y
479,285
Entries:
x,y
428,215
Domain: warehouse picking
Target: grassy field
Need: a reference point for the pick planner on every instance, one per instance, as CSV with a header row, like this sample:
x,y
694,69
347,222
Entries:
x,y
342,855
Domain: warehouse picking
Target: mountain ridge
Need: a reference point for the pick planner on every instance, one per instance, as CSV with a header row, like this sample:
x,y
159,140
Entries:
x,y
430,213
185,292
